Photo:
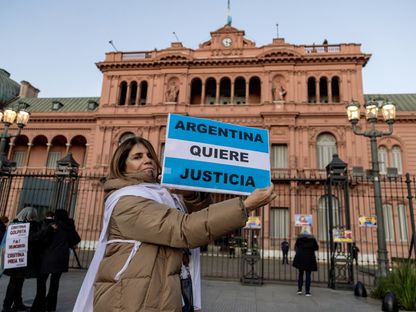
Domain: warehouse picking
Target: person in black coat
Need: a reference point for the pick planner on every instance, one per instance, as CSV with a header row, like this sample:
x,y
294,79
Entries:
x,y
285,251
55,260
13,298
3,226
305,259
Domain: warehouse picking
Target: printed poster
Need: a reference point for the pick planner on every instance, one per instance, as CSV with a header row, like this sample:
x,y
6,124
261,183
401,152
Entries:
x,y
367,221
211,156
15,255
303,219
253,222
342,236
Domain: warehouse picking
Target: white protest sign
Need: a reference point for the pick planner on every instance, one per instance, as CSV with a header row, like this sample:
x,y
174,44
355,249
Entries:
x,y
15,255
211,156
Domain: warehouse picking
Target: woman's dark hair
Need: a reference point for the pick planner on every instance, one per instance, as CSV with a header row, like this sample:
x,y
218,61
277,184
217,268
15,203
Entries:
x,y
61,215
118,162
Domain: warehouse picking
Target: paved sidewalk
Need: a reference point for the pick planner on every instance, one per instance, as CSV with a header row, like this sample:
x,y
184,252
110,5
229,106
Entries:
x,y
224,296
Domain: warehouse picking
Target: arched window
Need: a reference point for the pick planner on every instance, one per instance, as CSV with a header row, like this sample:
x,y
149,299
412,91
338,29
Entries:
x,y
123,93
196,91
397,159
326,146
133,92
143,93
311,90
336,98
79,149
323,90
240,91
225,91
20,150
323,218
210,91
382,159
125,136
57,151
254,90
388,222
38,152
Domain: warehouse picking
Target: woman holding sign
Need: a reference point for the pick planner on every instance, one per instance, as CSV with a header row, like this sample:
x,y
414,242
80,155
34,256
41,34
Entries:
x,y
13,299
146,229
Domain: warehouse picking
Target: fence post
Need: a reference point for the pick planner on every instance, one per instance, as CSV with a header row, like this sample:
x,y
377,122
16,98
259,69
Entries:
x,y
341,262
412,216
66,175
6,175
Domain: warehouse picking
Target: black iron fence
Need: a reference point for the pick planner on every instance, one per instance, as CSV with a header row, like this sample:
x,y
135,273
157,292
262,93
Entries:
x,y
251,255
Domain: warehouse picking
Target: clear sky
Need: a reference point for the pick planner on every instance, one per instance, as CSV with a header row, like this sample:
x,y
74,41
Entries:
x,y
54,44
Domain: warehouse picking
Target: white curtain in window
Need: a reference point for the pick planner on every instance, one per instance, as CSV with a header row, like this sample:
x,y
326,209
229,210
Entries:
x,y
397,159
388,222
382,159
326,146
279,222
53,157
279,156
19,158
402,222
323,204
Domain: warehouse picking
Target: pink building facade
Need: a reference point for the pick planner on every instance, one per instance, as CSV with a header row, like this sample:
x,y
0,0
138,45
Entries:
x,y
297,92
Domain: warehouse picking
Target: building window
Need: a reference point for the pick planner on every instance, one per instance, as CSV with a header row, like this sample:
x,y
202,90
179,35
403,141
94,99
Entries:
x,y
133,93
335,90
53,157
326,146
279,222
254,90
388,222
322,217
323,90
279,156
240,91
196,91
397,159
311,90
402,223
210,91
382,159
19,158
143,93
123,93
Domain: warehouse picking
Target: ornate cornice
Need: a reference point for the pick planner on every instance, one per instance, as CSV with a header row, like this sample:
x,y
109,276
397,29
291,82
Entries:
x,y
266,59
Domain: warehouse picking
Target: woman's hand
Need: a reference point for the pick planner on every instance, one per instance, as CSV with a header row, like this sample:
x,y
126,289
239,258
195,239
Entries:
x,y
259,197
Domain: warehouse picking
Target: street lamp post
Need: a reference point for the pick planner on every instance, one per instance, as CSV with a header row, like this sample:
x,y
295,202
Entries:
x,y
388,110
8,117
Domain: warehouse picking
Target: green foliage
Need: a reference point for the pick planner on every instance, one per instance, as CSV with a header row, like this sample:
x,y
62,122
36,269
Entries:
x,y
402,282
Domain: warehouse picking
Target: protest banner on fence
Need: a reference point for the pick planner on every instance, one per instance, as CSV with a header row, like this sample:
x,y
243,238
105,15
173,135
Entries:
x,y
15,255
211,156
253,222
303,219
367,221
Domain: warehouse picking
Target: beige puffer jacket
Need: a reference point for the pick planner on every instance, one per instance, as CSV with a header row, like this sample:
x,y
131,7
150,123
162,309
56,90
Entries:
x,y
151,281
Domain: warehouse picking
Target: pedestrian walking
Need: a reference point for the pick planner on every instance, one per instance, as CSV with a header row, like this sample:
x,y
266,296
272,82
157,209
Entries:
x,y
55,259
355,250
285,251
137,263
13,299
305,259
